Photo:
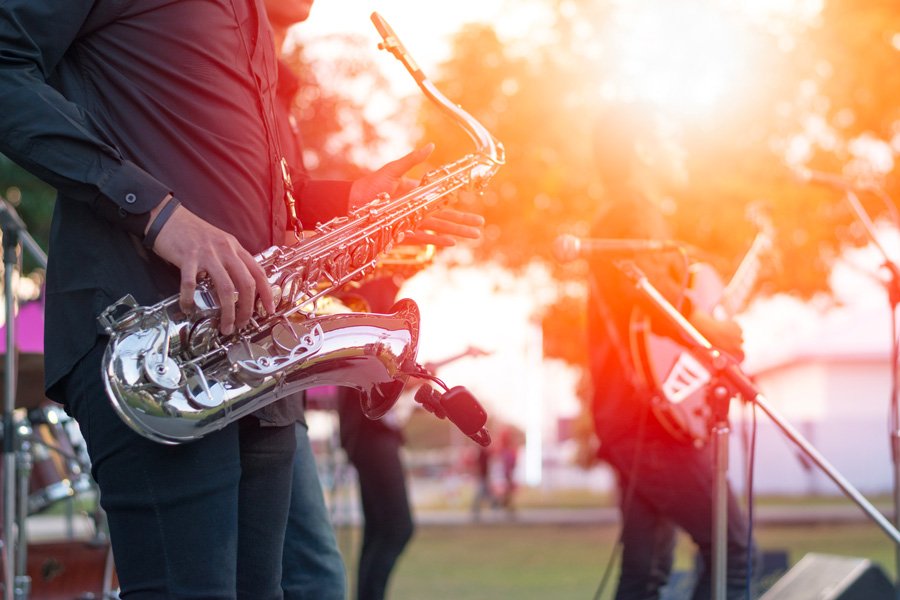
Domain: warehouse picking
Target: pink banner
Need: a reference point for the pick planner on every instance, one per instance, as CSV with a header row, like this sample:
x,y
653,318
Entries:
x,y
29,329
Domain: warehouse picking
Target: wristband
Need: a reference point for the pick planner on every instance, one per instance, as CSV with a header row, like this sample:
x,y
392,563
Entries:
x,y
160,220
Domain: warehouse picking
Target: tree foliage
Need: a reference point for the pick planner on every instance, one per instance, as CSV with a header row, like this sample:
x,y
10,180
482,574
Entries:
x,y
32,199
832,74
817,92
337,131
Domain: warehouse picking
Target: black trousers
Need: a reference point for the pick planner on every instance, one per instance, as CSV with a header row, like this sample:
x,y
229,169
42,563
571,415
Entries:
x,y
374,449
666,485
204,519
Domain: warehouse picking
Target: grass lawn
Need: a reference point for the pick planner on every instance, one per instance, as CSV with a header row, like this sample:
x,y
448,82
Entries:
x,y
525,562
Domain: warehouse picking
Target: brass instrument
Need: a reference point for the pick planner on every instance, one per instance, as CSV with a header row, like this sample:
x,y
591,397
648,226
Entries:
x,y
174,377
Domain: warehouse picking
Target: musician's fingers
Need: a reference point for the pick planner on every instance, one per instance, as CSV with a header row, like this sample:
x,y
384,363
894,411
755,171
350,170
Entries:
x,y
188,285
244,297
422,238
444,227
263,288
226,293
461,217
398,167
406,185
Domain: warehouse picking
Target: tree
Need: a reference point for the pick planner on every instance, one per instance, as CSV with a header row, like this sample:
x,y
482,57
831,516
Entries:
x,y
817,90
32,199
337,83
540,103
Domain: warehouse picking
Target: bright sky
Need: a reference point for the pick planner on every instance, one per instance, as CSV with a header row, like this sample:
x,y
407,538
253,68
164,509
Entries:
x,y
425,28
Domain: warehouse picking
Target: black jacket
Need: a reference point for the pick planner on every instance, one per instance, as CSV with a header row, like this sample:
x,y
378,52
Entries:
x,y
116,103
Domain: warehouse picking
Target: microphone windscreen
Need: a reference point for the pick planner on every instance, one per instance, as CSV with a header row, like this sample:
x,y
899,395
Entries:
x,y
464,410
566,248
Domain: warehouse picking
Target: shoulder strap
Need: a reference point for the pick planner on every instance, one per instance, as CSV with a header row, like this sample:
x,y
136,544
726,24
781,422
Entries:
x,y
615,339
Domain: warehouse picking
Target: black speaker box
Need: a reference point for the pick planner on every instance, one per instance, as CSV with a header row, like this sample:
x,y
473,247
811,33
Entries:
x,y
827,577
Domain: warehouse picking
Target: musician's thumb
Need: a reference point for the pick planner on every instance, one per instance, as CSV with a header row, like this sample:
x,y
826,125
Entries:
x,y
407,162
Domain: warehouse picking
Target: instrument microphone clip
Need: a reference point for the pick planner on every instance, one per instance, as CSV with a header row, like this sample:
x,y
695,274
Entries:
x,y
460,407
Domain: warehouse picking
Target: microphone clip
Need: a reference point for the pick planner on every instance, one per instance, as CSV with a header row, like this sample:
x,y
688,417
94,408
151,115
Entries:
x,y
458,406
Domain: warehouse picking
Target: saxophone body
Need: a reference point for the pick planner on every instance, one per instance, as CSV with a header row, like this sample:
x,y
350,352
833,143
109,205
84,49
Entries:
x,y
170,398
173,377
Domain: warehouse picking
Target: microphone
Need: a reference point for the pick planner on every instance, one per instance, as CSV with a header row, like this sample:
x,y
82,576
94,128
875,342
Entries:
x,y
567,248
460,407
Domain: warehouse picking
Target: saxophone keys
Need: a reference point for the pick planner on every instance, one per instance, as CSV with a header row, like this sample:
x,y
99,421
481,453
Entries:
x,y
162,371
203,336
248,360
203,395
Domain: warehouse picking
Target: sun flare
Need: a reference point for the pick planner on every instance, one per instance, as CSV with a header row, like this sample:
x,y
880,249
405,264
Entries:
x,y
684,56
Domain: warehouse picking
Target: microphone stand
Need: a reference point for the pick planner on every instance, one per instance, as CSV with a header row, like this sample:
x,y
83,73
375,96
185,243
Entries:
x,y
16,582
729,381
892,287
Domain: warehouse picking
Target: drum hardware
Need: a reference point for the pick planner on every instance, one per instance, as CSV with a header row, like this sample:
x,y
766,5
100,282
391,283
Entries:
x,y
15,236
42,465
54,469
71,570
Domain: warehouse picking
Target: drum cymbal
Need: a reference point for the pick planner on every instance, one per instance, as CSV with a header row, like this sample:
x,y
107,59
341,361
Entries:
x,y
30,383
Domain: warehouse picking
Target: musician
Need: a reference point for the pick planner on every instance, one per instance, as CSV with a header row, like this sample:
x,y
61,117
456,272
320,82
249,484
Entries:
x,y
374,449
664,483
312,564
155,121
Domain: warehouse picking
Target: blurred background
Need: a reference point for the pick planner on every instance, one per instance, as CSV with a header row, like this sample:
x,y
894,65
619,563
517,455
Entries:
x,y
751,94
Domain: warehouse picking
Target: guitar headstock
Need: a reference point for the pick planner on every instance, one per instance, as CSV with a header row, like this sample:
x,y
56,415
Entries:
x,y
760,214
762,254
475,352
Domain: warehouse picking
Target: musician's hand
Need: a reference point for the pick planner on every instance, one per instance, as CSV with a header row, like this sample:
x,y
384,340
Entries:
x,y
195,247
441,228
388,179
724,335
444,226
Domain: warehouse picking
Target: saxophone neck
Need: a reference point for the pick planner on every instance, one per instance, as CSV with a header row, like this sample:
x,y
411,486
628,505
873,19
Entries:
x,y
488,146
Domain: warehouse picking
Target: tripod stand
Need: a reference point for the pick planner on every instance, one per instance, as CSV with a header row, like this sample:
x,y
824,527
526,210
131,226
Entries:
x,y
16,582
728,381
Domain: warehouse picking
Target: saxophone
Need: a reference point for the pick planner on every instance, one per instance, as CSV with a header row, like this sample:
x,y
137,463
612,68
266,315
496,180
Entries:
x,y
173,377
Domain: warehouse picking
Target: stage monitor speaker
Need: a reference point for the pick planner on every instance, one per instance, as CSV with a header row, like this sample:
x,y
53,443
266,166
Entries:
x,y
827,577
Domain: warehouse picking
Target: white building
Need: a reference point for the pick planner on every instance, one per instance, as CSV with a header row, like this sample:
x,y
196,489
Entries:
x,y
828,375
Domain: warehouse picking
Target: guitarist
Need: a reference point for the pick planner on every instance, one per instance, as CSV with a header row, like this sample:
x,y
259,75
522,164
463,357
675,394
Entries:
x,y
665,483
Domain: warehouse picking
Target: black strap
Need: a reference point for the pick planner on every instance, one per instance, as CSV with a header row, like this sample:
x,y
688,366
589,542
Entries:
x,y
615,339
161,218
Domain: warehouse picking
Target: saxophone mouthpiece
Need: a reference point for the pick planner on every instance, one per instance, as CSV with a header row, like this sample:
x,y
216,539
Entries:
x,y
458,406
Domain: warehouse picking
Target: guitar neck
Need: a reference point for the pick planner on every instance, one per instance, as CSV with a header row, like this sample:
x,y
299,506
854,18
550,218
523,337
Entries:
x,y
738,291
467,352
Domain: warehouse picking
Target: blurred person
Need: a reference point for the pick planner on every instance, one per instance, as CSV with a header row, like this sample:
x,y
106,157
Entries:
x,y
312,564
484,493
508,454
665,483
155,121
374,450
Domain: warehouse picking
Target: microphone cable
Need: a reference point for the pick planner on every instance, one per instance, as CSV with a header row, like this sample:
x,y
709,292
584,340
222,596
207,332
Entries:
x,y
751,459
